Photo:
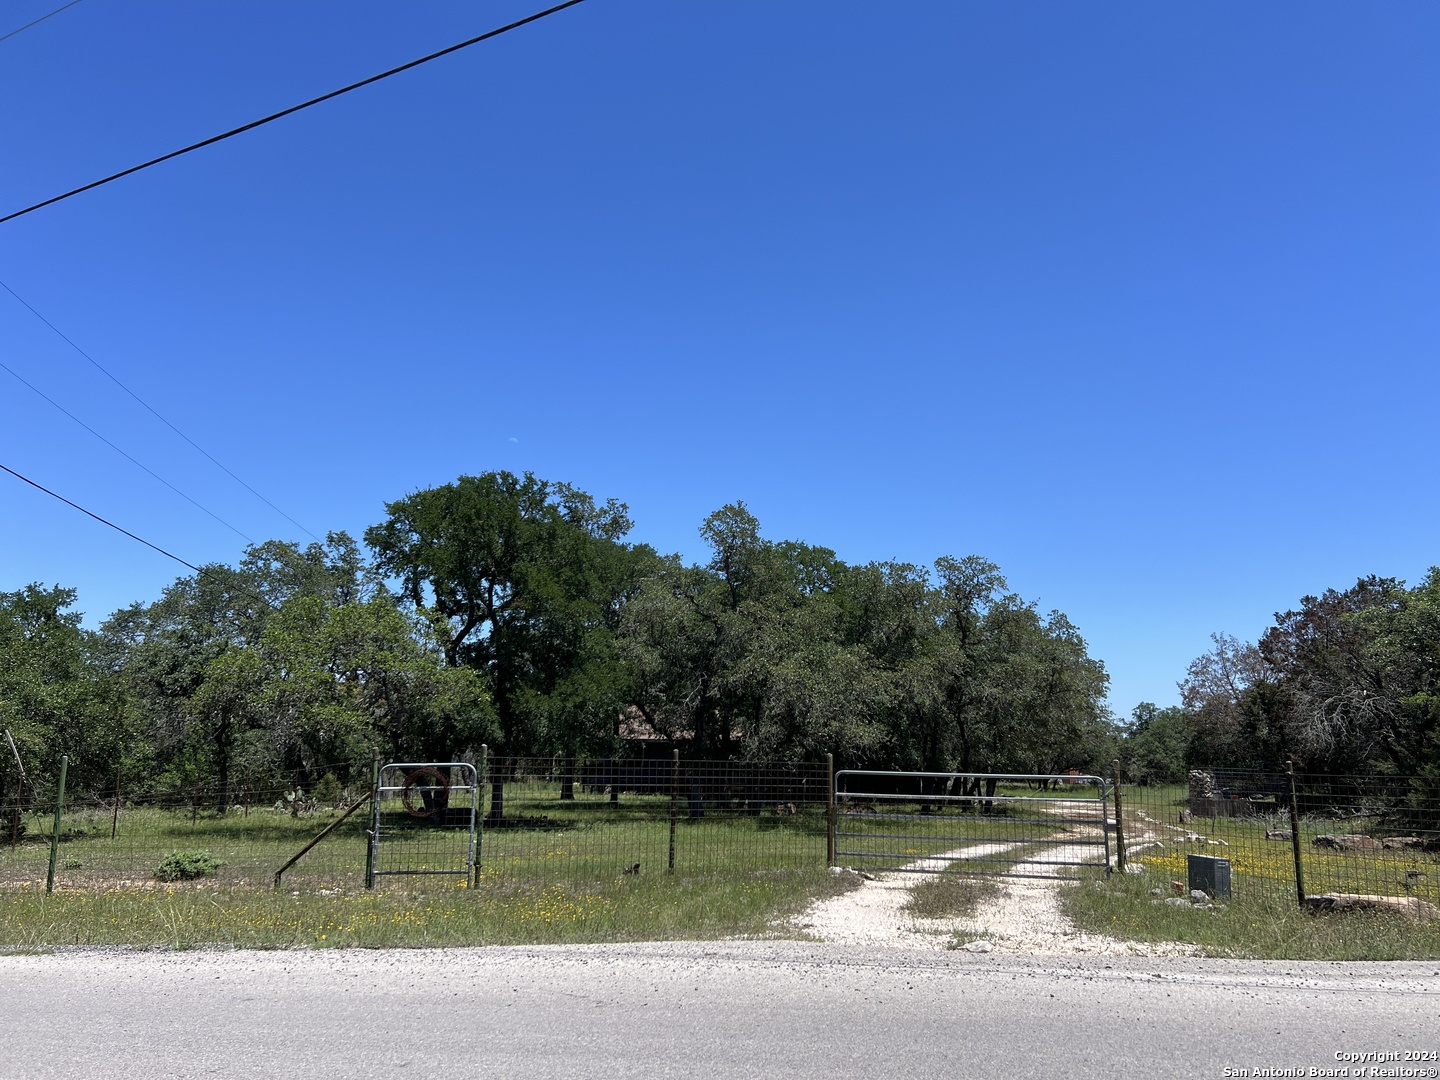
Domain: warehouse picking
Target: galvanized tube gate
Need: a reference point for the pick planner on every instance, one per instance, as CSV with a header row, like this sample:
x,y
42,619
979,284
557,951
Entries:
x,y
425,820
1027,825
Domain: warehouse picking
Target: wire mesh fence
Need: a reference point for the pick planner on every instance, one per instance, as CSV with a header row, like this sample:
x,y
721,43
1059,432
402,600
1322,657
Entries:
x,y
157,841
577,819
534,819
1349,837
552,817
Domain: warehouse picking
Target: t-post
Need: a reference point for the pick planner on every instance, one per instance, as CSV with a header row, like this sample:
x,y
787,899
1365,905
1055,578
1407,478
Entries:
x,y
55,829
1295,835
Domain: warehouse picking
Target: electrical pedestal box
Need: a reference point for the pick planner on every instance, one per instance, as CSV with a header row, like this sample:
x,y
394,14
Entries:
x,y
1209,875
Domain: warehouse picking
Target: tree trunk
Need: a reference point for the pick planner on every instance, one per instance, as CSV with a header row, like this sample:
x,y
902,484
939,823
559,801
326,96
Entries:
x,y
567,779
222,764
497,790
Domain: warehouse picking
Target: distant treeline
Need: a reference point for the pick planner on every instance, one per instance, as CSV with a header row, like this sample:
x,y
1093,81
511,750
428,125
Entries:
x,y
512,611
1347,683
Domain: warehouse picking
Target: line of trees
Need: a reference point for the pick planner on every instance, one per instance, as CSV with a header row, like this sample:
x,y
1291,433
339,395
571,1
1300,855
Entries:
x,y
1348,682
513,611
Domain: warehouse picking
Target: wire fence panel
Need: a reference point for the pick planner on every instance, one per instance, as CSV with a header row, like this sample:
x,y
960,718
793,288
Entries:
x,y
551,817
165,841
563,819
535,819
1358,836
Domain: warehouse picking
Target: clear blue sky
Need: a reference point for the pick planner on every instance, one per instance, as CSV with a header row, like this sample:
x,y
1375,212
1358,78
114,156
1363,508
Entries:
x,y
1137,300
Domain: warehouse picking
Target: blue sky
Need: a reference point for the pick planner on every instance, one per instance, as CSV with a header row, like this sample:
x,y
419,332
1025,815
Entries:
x,y
1136,300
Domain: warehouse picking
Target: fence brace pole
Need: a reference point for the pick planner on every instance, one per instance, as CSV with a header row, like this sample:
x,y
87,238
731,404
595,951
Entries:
x,y
115,818
55,830
674,802
372,837
1119,822
829,809
1295,835
323,833
19,791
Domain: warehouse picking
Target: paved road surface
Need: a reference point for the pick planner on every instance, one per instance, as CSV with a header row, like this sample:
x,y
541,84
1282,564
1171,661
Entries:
x,y
693,1010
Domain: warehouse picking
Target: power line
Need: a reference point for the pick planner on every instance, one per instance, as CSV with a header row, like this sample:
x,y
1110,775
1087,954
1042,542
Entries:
x,y
138,539
122,453
297,108
37,22
103,521
152,409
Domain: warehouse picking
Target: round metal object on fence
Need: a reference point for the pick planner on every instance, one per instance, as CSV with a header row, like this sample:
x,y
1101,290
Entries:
x,y
418,782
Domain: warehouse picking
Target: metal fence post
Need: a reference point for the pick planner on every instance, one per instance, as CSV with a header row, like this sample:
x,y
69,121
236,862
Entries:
x,y
372,838
1119,823
481,772
829,809
674,802
55,830
1295,835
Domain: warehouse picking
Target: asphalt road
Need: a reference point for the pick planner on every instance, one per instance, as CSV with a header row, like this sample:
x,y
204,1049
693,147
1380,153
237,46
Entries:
x,y
691,1010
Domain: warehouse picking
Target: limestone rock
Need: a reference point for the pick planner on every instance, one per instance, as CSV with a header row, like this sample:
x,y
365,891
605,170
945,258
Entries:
x,y
1347,842
1411,906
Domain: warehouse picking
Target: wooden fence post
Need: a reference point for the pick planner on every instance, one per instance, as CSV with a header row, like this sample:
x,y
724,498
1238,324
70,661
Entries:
x,y
115,818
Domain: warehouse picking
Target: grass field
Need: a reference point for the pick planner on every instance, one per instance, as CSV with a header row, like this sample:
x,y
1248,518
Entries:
x,y
1263,919
1268,865
555,873
542,837
1255,924
621,909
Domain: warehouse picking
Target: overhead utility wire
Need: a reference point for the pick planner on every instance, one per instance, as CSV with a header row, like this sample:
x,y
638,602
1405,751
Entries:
x,y
132,536
122,453
103,521
104,371
37,22
296,108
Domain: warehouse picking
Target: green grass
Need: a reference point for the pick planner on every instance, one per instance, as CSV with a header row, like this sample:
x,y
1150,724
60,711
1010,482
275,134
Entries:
x,y
581,839
1255,924
558,878
947,896
1268,865
633,908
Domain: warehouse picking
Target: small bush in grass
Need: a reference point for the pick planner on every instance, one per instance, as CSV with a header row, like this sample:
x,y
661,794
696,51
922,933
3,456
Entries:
x,y
185,865
328,791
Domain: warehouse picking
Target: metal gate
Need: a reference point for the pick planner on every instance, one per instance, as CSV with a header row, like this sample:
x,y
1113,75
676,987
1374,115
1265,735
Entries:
x,y
424,820
1006,824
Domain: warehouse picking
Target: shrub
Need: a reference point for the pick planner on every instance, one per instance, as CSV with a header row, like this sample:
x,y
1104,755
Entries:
x,y
185,865
328,791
